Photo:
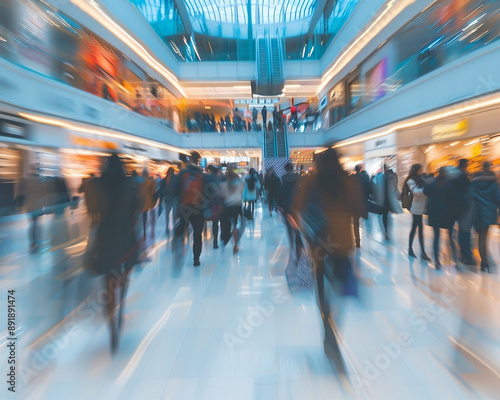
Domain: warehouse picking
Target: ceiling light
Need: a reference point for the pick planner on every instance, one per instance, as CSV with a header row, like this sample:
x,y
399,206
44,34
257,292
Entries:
x,y
208,108
454,143
101,132
424,120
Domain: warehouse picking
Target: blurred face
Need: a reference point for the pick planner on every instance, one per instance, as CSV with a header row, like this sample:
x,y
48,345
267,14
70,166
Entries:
x,y
420,171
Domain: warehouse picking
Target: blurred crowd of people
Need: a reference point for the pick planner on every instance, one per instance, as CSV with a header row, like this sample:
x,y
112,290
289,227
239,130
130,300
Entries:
x,y
321,211
259,120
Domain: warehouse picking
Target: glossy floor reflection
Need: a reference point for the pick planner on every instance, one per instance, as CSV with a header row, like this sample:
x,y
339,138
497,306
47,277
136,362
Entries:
x,y
230,329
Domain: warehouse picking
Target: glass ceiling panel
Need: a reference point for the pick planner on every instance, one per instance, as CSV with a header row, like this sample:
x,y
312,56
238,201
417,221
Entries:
x,y
217,26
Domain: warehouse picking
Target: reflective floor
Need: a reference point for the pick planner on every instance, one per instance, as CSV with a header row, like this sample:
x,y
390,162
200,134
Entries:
x,y
231,329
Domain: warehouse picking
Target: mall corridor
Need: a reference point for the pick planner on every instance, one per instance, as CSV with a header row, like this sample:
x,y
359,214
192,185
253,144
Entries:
x,y
231,329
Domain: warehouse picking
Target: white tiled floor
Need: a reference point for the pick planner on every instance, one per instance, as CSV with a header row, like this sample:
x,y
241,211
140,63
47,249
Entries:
x,y
183,337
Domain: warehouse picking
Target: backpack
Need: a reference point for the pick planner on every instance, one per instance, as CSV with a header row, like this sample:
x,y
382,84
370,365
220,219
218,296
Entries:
x,y
406,197
251,183
192,188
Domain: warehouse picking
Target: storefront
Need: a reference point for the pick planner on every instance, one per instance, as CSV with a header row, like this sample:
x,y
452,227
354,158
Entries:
x,y
443,143
379,152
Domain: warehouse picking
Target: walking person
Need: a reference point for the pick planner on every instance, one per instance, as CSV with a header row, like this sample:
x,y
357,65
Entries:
x,y
189,189
385,194
271,185
285,195
232,218
252,186
164,196
365,185
215,206
115,245
264,117
416,184
462,184
441,195
486,200
147,190
326,211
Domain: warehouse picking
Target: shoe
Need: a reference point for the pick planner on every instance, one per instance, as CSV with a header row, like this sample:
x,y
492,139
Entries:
x,y
411,253
485,267
438,266
425,257
358,245
235,249
216,246
196,263
387,237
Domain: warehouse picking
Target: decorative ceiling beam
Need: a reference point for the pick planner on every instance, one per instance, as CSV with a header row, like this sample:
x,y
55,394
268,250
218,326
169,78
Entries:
x,y
318,12
185,17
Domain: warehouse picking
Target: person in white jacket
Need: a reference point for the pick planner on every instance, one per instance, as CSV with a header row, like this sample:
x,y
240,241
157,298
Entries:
x,y
416,185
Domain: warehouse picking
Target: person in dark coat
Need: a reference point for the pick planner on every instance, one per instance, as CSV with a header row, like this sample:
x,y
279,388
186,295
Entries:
x,y
271,184
440,209
326,211
364,182
464,237
487,199
264,117
115,244
285,197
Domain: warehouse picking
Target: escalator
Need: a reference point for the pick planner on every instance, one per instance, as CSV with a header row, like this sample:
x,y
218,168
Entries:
x,y
269,144
282,150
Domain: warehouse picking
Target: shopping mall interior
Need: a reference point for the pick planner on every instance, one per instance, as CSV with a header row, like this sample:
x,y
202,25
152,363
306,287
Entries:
x,y
264,88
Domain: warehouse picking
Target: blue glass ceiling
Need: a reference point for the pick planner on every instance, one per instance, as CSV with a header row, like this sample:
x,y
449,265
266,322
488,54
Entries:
x,y
224,30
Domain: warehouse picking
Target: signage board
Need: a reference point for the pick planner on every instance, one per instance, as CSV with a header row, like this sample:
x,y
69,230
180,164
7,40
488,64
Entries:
x,y
450,131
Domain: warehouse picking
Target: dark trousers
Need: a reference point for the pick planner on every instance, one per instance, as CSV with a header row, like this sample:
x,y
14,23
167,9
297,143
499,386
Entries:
x,y
194,215
436,244
271,197
355,226
385,220
215,231
34,222
464,241
417,223
324,278
229,221
482,245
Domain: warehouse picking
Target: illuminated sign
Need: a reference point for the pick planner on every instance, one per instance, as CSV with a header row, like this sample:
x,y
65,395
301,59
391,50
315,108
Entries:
x,y
450,131
94,143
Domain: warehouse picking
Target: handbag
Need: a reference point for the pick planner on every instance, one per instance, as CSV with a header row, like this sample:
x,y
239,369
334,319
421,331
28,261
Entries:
x,y
304,266
375,208
406,197
247,212
314,218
